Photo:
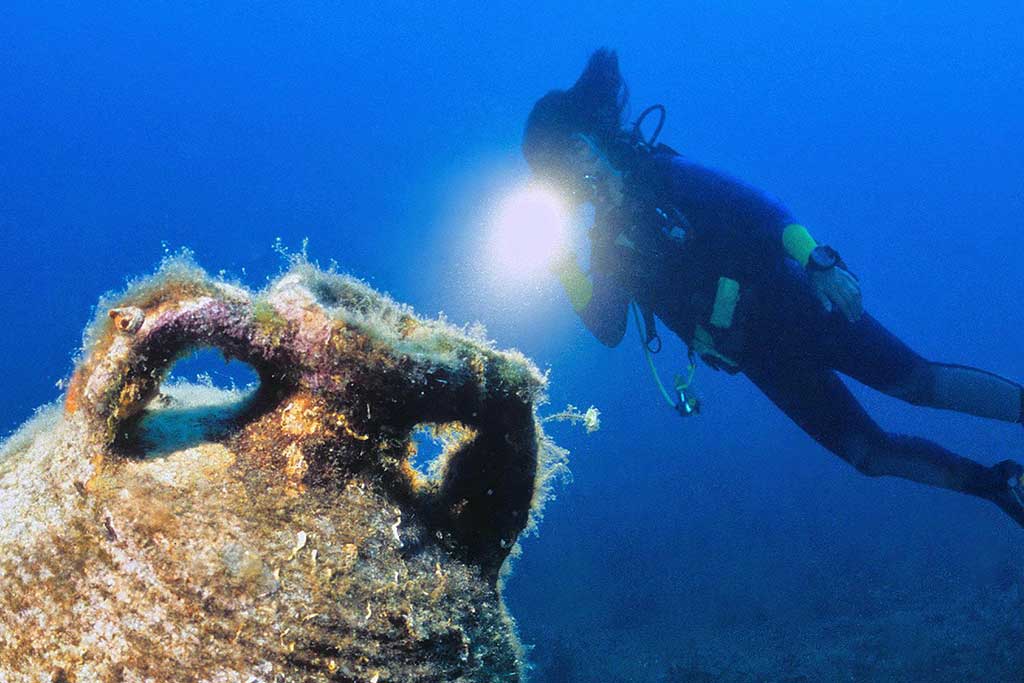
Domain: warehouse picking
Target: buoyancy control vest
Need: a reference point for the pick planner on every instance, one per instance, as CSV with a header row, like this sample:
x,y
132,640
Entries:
x,y
667,266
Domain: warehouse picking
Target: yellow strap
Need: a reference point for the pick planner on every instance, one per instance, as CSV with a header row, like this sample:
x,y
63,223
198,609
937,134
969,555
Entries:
x,y
798,242
576,283
726,298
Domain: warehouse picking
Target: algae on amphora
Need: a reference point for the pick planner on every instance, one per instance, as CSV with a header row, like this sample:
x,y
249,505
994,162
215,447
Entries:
x,y
152,531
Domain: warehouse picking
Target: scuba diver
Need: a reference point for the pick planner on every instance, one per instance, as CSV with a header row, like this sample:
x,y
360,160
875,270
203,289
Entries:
x,y
746,287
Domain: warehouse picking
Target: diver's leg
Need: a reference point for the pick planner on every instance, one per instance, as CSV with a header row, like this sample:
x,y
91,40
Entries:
x,y
817,400
868,352
970,390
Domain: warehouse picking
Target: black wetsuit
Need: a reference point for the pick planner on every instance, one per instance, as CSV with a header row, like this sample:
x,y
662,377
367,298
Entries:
x,y
782,338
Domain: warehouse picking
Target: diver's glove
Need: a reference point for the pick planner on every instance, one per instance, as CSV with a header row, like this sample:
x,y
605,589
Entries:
x,y
835,286
575,282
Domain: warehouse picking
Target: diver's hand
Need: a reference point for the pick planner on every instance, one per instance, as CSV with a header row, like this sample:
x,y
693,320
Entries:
x,y
564,261
837,288
575,282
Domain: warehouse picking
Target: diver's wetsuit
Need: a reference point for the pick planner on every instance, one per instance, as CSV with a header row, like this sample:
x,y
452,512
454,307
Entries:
x,y
780,335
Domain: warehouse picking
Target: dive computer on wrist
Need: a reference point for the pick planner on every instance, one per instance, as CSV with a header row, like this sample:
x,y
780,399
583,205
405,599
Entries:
x,y
823,258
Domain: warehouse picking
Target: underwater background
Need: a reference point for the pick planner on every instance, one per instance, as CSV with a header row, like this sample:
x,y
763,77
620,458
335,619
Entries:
x,y
728,546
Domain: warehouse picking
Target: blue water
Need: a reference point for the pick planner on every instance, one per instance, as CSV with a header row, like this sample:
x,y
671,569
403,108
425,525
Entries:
x,y
893,130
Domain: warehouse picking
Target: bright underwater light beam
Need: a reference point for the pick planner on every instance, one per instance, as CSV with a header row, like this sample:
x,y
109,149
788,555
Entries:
x,y
529,228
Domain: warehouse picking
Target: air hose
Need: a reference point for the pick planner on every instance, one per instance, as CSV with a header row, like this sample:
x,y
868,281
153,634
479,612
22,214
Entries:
x,y
684,402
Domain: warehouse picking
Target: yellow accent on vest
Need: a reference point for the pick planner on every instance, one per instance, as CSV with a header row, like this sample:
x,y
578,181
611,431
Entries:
x,y
798,242
726,298
577,285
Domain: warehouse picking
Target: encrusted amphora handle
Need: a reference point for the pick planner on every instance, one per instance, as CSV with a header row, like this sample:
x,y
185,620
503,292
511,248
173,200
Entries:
x,y
367,372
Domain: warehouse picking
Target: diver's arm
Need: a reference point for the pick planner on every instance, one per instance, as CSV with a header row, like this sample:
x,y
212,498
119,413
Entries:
x,y
601,305
745,216
834,285
764,229
797,242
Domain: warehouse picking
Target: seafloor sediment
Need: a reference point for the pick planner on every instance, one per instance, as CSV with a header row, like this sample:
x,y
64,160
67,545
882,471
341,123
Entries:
x,y
153,533
930,632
